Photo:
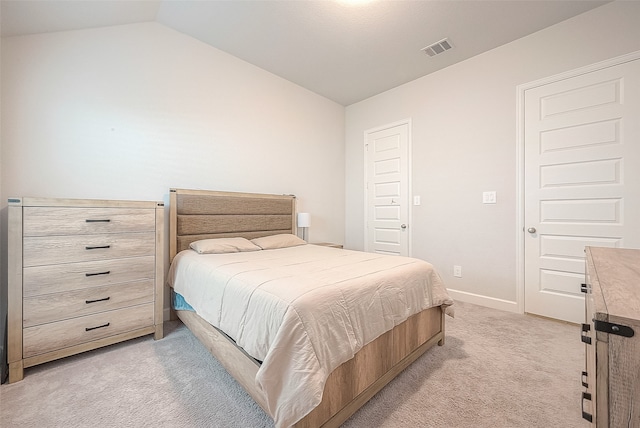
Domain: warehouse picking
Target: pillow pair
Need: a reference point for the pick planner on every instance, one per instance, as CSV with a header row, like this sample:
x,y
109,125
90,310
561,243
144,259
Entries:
x,y
237,245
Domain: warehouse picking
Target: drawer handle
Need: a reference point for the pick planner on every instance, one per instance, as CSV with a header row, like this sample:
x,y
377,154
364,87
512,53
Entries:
x,y
97,247
97,300
585,339
100,326
585,415
98,220
585,375
107,272
619,329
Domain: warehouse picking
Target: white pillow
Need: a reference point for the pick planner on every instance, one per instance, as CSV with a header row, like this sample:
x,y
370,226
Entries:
x,y
223,245
283,240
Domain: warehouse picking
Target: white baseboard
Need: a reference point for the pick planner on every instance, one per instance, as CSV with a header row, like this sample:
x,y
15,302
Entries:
x,y
477,299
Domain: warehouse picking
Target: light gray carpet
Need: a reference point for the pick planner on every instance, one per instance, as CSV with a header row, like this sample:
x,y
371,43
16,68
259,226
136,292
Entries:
x,y
497,369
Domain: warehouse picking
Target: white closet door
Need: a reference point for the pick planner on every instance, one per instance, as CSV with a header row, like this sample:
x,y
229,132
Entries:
x,y
582,181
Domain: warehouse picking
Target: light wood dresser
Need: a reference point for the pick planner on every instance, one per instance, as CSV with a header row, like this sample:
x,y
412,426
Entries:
x,y
82,274
612,337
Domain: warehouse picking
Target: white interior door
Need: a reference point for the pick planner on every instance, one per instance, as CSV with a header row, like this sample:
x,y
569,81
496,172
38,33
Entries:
x,y
581,183
387,190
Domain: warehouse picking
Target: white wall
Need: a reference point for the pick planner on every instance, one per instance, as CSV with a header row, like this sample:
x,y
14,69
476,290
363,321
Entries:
x,y
464,143
128,112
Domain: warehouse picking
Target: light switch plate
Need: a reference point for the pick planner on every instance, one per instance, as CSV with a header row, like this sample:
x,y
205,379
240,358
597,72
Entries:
x,y
489,197
416,200
457,271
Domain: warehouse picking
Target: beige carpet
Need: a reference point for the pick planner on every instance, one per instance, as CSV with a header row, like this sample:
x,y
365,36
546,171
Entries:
x,y
496,369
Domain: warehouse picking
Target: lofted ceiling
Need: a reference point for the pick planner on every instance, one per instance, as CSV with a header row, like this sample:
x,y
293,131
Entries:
x,y
345,50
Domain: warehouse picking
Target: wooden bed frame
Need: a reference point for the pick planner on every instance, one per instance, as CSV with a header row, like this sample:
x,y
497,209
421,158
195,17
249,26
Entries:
x,y
199,214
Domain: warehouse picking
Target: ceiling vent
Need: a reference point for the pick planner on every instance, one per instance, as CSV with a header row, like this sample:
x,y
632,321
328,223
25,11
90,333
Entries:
x,y
438,47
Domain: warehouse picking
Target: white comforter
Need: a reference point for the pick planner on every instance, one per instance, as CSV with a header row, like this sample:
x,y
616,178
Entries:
x,y
303,310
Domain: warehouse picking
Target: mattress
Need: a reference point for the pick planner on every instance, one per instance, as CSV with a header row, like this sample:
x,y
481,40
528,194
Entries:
x,y
303,310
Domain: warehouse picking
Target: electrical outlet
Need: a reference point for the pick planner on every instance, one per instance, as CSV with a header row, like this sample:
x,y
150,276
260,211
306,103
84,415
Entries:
x,y
457,271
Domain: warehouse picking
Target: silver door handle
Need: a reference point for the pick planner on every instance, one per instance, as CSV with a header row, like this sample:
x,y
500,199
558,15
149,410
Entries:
x,y
403,226
531,230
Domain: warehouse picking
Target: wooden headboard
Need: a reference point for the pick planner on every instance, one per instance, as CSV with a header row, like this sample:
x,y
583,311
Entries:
x,y
203,214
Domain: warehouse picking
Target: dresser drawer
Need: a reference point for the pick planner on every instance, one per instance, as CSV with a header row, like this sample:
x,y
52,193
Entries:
x,y
63,334
59,306
48,250
47,221
49,279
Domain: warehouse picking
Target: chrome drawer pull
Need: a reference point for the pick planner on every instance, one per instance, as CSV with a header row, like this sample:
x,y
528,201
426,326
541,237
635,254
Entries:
x,y
100,326
98,273
97,221
97,300
97,247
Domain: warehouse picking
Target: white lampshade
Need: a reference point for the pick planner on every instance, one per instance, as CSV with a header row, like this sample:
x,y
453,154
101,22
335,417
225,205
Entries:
x,y
304,219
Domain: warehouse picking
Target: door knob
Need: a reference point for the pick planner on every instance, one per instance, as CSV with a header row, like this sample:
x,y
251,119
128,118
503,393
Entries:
x,y
531,230
403,226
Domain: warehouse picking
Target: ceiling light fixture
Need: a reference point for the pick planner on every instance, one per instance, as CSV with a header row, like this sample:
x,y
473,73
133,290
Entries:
x,y
438,47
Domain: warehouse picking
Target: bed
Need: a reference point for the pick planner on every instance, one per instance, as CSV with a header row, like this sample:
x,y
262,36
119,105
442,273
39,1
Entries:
x,y
272,368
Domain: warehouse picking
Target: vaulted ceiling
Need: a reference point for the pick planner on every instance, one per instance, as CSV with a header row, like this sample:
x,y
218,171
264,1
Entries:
x,y
345,50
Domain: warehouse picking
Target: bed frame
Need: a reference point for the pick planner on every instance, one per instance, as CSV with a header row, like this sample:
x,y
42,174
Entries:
x,y
200,214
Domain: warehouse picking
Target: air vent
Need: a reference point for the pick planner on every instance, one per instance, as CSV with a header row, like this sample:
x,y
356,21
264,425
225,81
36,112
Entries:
x,y
438,47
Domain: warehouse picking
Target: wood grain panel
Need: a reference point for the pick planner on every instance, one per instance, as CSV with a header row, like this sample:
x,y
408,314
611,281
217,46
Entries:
x,y
75,276
83,347
624,374
50,337
600,391
415,331
79,203
373,360
60,306
14,291
159,274
79,248
351,379
47,221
